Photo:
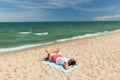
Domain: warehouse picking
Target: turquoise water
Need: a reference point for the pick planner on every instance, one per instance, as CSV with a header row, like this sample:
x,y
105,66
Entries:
x,y
18,34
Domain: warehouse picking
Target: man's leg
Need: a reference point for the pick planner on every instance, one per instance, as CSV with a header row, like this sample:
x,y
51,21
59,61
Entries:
x,y
49,55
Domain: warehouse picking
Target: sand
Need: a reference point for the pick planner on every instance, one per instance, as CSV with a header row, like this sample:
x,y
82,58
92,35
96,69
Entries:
x,y
100,57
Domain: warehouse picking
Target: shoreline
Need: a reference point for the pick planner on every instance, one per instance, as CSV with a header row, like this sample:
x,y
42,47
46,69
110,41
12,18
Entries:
x,y
13,49
99,55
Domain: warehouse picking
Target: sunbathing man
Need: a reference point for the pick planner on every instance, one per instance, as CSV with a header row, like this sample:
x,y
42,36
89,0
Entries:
x,y
57,57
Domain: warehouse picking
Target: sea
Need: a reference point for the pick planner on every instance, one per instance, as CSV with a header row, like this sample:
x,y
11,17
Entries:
x,y
20,35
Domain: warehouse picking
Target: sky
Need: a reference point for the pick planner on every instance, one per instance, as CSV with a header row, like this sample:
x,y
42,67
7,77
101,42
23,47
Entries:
x,y
59,10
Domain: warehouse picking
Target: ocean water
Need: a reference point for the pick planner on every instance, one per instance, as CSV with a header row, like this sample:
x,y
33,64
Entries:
x,y
18,35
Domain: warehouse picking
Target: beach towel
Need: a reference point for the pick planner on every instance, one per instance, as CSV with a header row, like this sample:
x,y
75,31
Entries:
x,y
60,67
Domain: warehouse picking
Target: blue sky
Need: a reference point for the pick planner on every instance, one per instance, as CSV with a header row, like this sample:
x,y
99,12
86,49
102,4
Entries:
x,y
59,10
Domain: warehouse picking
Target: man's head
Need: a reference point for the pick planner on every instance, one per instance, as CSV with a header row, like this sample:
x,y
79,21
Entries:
x,y
71,62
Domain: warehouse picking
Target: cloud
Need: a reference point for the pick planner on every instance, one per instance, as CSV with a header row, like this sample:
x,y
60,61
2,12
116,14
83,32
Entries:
x,y
95,9
45,4
108,17
55,4
24,10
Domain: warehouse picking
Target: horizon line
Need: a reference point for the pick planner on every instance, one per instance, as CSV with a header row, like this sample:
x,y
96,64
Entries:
x,y
60,21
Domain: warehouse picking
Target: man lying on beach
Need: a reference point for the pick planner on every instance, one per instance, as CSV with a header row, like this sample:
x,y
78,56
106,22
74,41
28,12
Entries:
x,y
57,57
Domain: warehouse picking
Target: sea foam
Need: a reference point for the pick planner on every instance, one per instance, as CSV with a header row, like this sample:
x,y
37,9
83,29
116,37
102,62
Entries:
x,y
23,47
44,33
24,32
88,35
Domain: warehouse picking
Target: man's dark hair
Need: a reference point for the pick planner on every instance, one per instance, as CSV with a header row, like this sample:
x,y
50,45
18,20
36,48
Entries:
x,y
72,62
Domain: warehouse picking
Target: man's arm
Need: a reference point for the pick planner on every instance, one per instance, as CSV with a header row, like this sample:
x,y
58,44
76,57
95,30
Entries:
x,y
65,65
54,51
47,51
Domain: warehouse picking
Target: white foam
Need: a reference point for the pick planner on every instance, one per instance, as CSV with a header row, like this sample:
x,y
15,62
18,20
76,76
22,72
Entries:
x,y
88,35
118,30
23,47
44,33
78,37
24,32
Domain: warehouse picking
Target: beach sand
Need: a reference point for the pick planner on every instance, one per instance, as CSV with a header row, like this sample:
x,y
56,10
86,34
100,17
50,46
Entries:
x,y
99,56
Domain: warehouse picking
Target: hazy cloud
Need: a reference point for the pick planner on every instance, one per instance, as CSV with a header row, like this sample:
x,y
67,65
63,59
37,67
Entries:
x,y
108,17
110,8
